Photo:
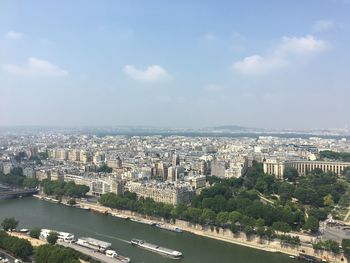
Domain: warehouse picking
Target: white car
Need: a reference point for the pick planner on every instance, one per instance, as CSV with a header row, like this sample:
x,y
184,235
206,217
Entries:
x,y
5,260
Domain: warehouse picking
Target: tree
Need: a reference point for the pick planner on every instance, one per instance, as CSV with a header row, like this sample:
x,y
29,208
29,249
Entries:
x,y
9,224
333,246
260,222
281,226
208,216
346,173
345,243
30,182
248,231
222,218
261,231
52,238
312,224
235,216
234,228
22,249
35,232
72,201
270,233
104,169
328,245
328,200
290,174
16,171
19,247
194,214
57,254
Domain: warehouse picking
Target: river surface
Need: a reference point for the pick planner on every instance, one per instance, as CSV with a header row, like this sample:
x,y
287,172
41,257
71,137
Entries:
x,y
31,212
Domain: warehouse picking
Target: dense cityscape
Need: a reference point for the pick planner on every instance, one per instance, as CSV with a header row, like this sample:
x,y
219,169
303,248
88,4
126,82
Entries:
x,y
289,192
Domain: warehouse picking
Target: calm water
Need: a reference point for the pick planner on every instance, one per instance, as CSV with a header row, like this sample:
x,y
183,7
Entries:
x,y
32,212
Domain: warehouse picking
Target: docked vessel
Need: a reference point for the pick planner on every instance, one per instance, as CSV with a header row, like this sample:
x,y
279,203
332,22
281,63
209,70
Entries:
x,y
120,216
169,228
93,243
102,247
52,200
308,258
157,249
62,236
84,208
112,254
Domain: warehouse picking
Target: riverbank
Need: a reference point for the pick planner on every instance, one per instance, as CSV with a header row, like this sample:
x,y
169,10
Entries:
x,y
216,233
35,242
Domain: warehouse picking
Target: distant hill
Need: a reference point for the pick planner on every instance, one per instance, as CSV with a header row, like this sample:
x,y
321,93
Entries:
x,y
233,128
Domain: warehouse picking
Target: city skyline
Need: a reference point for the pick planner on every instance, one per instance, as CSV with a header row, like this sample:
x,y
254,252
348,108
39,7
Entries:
x,y
166,64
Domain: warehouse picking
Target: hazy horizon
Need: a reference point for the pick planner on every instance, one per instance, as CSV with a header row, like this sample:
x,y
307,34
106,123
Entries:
x,y
187,64
234,128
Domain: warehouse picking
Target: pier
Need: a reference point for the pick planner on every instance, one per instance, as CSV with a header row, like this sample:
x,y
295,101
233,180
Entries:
x,y
95,255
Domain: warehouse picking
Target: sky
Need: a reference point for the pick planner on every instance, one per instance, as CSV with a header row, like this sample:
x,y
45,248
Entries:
x,y
185,63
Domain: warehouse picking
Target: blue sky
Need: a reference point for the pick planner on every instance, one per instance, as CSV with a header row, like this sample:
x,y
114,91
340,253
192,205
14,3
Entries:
x,y
273,64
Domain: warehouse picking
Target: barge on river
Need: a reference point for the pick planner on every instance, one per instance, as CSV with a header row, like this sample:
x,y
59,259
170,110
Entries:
x,y
157,249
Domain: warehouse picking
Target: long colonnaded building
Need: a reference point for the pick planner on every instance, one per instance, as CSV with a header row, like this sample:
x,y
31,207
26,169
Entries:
x,y
276,167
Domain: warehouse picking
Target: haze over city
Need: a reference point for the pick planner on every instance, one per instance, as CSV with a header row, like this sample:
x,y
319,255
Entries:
x,y
270,64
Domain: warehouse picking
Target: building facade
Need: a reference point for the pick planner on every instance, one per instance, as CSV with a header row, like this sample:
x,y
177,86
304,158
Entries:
x,y
162,192
276,167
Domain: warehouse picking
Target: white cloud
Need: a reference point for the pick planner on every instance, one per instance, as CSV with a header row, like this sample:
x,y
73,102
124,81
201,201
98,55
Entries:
x,y
14,35
302,45
281,56
323,25
257,64
151,73
35,67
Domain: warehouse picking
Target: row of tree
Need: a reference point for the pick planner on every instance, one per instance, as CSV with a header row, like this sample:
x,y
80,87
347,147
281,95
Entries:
x,y
20,248
339,156
16,178
61,188
333,246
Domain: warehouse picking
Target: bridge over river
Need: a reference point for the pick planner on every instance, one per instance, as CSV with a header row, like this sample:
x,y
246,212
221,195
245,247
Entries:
x,y
9,193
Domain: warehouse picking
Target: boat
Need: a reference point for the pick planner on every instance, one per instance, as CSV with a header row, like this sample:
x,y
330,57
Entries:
x,y
112,254
142,221
135,220
52,200
120,216
169,228
102,247
84,208
155,248
308,258
92,243
38,196
62,236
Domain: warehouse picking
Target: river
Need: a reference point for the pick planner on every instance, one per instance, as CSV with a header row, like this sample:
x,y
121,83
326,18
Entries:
x,y
31,212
